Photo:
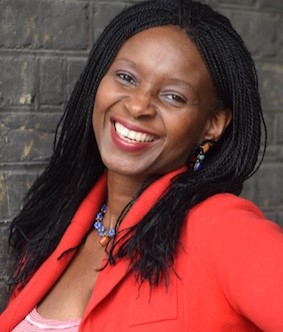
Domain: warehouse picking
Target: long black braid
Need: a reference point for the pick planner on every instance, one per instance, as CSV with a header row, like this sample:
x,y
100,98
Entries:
x,y
75,165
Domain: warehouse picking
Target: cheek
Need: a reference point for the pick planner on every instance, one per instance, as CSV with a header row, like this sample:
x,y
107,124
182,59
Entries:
x,y
102,96
97,121
185,134
181,131
100,105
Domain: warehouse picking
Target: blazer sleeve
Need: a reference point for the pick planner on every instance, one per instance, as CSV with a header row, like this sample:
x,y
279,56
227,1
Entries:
x,y
242,253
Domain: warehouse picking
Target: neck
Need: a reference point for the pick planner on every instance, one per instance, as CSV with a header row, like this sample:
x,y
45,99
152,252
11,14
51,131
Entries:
x,y
120,191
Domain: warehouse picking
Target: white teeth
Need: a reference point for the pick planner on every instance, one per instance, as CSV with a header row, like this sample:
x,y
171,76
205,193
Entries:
x,y
132,135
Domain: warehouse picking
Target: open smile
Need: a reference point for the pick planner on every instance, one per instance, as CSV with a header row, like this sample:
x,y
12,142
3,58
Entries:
x,y
132,135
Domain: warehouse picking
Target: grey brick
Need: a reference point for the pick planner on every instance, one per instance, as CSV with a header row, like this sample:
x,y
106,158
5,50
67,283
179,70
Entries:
x,y
271,4
258,30
3,295
270,120
270,184
74,69
17,80
103,13
51,81
43,24
4,233
3,197
210,2
238,2
271,83
274,153
6,262
26,137
280,37
250,189
271,216
18,185
280,129
280,218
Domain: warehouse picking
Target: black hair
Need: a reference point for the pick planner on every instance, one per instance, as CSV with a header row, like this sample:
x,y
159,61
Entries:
x,y
75,165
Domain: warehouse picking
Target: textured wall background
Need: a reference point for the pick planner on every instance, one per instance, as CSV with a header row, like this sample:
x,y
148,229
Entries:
x,y
43,47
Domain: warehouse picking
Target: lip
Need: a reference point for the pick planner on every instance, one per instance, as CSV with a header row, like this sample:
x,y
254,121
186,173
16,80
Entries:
x,y
130,146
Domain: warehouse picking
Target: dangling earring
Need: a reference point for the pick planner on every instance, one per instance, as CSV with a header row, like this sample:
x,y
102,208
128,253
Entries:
x,y
198,159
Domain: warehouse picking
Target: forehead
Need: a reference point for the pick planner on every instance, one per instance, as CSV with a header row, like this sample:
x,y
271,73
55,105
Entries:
x,y
165,40
165,50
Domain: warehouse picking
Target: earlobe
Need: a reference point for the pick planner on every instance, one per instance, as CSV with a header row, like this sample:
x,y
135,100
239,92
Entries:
x,y
218,122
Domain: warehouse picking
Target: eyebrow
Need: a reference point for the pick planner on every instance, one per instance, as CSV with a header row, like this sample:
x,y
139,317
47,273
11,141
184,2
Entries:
x,y
126,60
177,80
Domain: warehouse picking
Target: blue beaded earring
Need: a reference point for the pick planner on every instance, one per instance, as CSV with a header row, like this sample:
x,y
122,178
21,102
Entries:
x,y
198,158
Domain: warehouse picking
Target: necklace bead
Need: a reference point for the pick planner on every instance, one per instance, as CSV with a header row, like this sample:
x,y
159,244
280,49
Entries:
x,y
101,229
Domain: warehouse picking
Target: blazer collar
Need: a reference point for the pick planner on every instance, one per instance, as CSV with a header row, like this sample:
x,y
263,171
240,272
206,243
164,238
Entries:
x,y
111,276
49,272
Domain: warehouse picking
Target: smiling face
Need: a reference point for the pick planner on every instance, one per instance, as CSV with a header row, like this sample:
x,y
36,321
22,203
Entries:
x,y
154,104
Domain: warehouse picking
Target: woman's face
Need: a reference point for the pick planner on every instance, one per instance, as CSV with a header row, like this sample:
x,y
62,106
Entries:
x,y
154,104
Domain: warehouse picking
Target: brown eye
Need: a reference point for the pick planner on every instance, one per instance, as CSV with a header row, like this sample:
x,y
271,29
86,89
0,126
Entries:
x,y
177,99
174,99
126,79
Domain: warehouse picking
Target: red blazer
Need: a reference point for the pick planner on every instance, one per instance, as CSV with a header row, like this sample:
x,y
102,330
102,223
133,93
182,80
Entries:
x,y
229,266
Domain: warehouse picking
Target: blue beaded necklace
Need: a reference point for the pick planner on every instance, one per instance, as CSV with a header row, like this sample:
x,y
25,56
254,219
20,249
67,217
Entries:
x,y
101,229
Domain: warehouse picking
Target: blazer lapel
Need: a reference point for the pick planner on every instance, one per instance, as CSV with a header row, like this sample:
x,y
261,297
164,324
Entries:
x,y
111,276
49,272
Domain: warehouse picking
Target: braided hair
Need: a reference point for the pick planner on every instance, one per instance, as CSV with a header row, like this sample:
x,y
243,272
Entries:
x,y
76,165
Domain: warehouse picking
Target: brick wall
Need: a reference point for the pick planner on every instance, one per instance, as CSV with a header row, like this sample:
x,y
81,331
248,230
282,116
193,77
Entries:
x,y
43,47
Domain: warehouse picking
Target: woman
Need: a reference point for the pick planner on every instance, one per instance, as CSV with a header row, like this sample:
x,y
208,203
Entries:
x,y
136,225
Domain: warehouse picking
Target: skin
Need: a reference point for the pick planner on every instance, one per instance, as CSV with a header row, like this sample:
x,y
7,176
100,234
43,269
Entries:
x,y
158,85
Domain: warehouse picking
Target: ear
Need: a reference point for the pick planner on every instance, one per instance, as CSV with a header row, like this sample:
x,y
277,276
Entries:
x,y
217,123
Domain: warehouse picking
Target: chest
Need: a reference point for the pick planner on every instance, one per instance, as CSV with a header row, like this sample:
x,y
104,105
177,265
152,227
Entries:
x,y
69,296
181,307
190,303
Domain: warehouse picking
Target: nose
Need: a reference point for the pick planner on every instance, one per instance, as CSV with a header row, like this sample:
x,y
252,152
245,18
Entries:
x,y
140,104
